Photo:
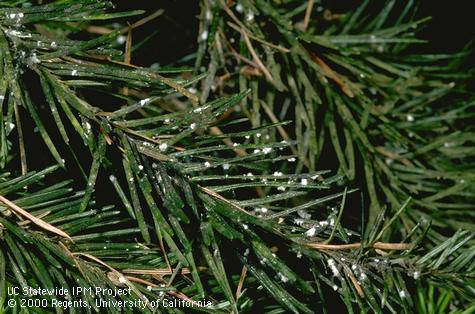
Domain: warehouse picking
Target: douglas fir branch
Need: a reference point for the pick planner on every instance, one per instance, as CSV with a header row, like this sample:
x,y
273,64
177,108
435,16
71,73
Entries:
x,y
236,156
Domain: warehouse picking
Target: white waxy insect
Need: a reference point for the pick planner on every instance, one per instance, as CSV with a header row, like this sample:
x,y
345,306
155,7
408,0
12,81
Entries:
x,y
122,279
311,232
204,35
121,39
143,102
34,58
283,278
250,16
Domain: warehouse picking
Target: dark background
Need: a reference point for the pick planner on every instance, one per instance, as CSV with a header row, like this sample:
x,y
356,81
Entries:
x,y
452,26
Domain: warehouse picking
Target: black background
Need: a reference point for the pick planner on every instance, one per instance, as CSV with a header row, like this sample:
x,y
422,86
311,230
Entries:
x,y
452,26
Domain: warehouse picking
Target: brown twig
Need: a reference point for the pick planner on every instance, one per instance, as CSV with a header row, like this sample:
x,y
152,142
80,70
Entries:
x,y
331,74
235,53
236,27
141,281
241,282
392,246
160,271
104,30
355,282
40,216
34,219
217,131
128,47
164,251
218,196
257,59
308,13
143,20
376,245
76,261
128,56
